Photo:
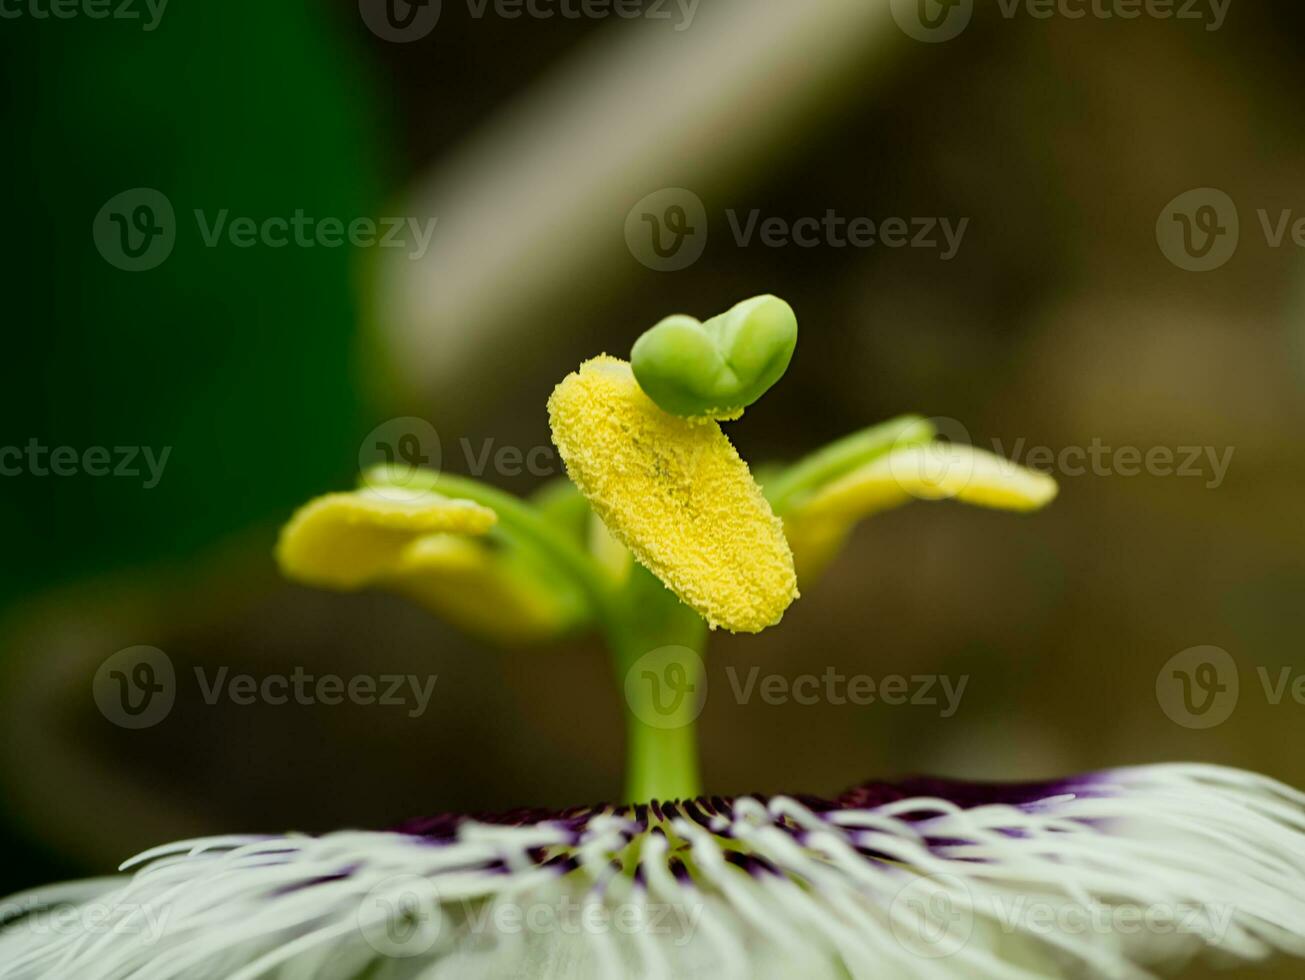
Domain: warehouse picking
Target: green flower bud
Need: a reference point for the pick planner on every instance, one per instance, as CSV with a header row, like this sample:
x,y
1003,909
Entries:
x,y
718,368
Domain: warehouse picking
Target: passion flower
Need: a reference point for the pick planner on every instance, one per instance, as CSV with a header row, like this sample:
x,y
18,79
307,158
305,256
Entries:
x,y
663,533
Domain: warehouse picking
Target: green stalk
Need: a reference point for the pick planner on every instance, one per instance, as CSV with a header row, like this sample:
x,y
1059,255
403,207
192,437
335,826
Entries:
x,y
657,655
656,642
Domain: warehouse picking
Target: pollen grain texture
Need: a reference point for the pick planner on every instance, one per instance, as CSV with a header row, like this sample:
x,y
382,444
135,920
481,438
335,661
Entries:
x,y
676,493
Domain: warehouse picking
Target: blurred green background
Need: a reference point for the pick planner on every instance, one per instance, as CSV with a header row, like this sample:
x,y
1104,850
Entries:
x,y
1059,322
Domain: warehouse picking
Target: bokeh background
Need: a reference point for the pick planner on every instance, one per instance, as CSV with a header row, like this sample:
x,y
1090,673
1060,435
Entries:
x,y
1060,322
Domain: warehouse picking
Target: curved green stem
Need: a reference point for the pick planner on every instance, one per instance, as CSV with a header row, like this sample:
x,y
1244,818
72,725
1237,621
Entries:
x,y
846,454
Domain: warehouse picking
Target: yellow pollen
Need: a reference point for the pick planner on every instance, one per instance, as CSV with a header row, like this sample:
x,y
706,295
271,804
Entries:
x,y
675,492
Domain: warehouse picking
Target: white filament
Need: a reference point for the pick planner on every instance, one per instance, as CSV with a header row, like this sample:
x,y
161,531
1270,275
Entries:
x,y
1146,866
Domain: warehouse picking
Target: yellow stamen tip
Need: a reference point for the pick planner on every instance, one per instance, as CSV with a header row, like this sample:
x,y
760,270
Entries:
x,y
348,540
937,471
819,524
675,492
